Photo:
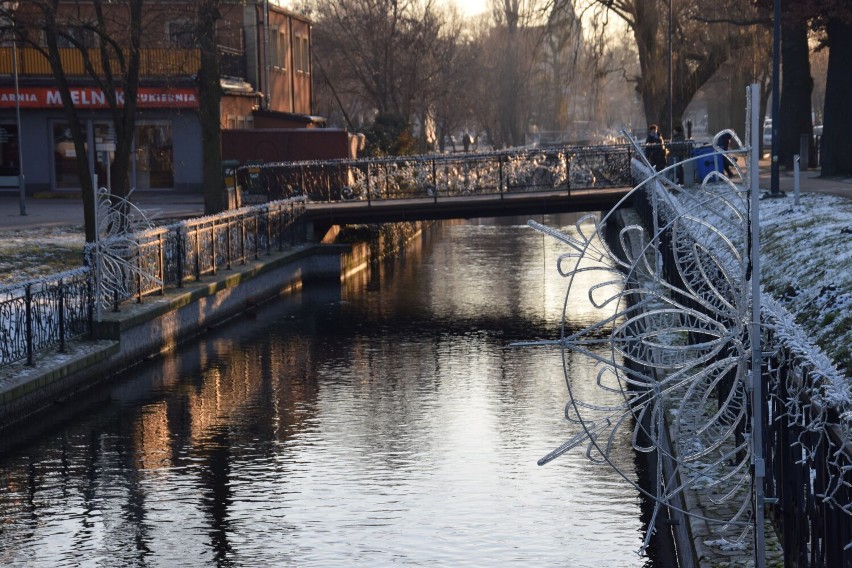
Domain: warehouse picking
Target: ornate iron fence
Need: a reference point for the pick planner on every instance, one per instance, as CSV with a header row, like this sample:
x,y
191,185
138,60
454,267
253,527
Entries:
x,y
808,459
536,169
43,314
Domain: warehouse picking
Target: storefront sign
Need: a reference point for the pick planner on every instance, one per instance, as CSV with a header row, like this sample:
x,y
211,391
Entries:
x,y
90,97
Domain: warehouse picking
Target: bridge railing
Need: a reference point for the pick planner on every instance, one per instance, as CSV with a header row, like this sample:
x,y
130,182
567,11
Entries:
x,y
564,168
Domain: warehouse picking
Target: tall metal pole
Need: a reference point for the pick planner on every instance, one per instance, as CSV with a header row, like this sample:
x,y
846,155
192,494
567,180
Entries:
x,y
755,335
776,97
671,73
22,186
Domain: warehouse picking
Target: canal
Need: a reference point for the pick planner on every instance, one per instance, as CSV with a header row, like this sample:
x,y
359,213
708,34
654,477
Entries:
x,y
381,422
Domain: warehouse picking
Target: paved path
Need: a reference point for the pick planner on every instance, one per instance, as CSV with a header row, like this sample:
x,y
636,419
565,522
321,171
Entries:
x,y
68,210
809,182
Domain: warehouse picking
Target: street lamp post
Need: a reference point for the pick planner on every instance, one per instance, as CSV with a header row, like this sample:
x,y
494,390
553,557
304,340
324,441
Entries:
x,y
671,73
22,187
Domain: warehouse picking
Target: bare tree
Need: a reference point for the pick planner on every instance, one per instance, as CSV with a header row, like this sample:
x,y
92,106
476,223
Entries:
x,y
399,60
209,100
378,44
111,63
698,49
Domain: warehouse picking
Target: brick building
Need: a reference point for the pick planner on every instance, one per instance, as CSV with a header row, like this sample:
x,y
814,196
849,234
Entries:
x,y
265,69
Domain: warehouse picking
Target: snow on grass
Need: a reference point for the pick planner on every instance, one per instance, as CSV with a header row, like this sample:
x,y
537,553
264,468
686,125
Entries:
x,y
806,254
27,254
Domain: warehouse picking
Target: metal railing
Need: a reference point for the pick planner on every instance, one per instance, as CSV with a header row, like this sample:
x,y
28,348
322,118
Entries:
x,y
563,168
43,314
807,448
808,432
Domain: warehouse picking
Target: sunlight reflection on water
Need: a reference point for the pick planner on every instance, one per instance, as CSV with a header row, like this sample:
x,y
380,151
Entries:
x,y
373,425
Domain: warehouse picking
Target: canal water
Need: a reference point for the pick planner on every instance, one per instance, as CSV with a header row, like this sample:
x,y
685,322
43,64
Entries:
x,y
382,422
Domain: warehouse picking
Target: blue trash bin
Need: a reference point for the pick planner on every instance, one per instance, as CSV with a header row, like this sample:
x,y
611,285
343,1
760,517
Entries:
x,y
707,160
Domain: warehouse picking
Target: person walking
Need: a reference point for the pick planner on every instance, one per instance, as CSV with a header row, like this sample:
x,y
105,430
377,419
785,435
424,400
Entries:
x,y
725,144
655,149
679,152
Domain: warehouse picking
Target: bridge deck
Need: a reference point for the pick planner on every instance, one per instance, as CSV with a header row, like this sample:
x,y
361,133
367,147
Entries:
x,y
463,207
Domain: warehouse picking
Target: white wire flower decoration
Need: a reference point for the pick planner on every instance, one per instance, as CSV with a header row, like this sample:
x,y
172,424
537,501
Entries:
x,y
671,343
118,272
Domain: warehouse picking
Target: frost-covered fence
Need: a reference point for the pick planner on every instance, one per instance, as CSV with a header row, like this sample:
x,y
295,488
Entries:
x,y
808,447
563,168
134,265
42,314
807,439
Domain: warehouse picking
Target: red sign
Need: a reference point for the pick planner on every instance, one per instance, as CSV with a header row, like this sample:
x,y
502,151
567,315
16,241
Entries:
x,y
94,98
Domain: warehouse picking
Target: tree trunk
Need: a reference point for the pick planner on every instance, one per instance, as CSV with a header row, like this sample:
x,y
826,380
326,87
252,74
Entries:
x,y
653,84
209,99
794,118
836,147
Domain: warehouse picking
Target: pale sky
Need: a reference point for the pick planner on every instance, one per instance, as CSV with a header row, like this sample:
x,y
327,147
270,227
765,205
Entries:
x,y
471,7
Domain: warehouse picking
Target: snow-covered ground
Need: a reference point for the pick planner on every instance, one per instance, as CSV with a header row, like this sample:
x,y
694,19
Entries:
x,y
37,252
806,263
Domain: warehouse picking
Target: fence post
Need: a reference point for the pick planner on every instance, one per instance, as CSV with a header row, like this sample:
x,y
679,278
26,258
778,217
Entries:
x,y
61,316
228,245
28,322
179,255
369,192
256,236
266,217
197,255
213,245
500,174
161,253
138,274
243,239
434,180
90,304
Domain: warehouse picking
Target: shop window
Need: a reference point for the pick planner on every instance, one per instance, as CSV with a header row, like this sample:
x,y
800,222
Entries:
x,y
154,156
10,165
64,157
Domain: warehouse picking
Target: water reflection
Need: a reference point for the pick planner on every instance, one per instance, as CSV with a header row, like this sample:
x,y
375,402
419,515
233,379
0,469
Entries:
x,y
382,422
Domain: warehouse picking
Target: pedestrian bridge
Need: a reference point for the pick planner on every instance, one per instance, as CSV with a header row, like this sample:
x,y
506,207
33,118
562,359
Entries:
x,y
529,181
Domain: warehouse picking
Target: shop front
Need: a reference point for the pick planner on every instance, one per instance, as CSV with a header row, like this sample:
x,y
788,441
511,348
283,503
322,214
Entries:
x,y
166,143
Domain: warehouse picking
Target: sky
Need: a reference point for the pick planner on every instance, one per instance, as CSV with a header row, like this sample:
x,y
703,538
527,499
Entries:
x,y
472,7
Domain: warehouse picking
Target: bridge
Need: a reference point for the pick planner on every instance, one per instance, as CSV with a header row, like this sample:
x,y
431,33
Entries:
x,y
529,181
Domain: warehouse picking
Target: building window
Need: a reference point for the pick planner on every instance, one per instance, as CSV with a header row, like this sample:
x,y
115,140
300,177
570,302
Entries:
x,y
75,36
278,47
181,34
282,47
64,157
302,54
